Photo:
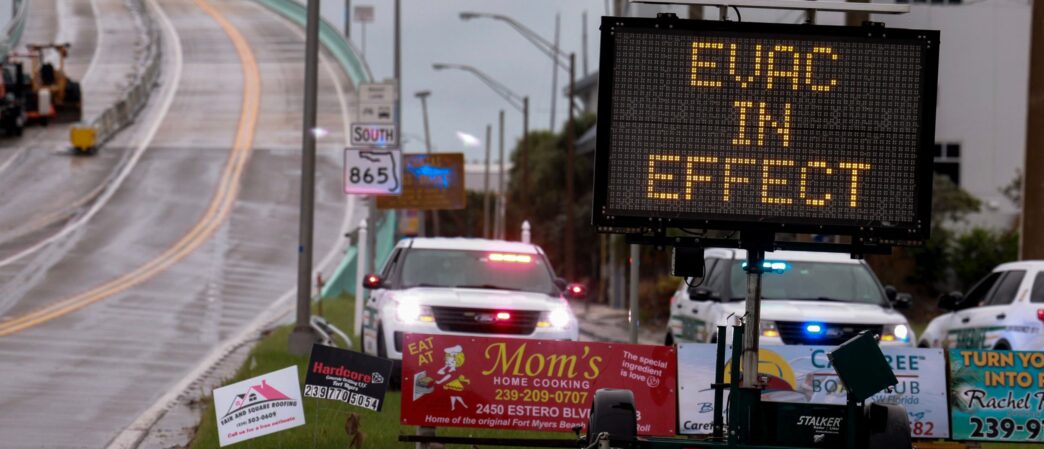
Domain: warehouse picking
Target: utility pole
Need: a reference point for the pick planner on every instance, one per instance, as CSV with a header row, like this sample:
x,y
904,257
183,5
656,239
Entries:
x,y
525,157
696,12
1031,241
348,20
570,235
501,206
584,41
856,18
485,185
302,337
423,95
554,76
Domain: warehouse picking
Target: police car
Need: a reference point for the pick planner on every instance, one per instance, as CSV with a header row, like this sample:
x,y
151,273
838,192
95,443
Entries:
x,y
807,299
466,286
1004,310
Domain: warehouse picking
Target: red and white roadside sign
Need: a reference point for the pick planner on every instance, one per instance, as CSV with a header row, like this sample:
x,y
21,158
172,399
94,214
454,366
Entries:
x,y
259,406
510,383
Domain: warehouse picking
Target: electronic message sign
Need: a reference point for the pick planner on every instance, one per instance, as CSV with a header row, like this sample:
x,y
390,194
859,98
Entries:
x,y
787,128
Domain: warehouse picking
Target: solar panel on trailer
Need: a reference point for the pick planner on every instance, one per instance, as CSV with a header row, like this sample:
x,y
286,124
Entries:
x,y
765,126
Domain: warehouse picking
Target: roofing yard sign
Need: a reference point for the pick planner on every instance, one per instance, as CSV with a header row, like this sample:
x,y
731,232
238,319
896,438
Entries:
x,y
513,383
258,406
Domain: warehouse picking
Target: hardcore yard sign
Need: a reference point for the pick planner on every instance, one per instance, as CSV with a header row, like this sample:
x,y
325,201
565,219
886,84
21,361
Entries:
x,y
511,383
997,395
348,376
258,406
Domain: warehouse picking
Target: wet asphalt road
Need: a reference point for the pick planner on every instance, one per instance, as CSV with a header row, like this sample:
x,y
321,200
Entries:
x,y
78,378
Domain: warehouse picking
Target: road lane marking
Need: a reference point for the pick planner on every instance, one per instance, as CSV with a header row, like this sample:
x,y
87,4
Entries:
x,y
136,431
218,210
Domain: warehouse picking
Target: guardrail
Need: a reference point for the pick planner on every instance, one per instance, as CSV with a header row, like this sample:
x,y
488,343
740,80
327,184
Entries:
x,y
124,110
13,32
343,278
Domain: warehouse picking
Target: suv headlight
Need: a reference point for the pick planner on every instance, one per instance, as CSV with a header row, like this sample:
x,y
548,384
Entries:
x,y
895,332
411,312
768,329
557,318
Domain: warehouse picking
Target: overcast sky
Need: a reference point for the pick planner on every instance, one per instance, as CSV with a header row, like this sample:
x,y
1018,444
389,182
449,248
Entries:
x,y
432,32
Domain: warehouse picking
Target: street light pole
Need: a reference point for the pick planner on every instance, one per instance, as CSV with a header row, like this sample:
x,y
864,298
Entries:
x,y
423,95
518,102
302,337
485,185
500,184
570,234
554,77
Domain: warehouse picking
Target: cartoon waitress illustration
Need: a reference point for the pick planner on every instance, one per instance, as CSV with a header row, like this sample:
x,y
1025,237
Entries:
x,y
454,360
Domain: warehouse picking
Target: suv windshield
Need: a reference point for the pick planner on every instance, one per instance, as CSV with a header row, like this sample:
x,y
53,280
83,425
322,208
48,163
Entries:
x,y
476,269
815,281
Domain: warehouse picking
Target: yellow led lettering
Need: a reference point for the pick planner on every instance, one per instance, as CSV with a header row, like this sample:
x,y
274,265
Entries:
x,y
803,190
766,181
749,79
808,69
729,179
700,64
853,196
795,67
691,176
653,176
742,105
783,129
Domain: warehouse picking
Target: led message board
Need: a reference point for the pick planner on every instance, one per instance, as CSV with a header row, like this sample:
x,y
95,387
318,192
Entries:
x,y
797,128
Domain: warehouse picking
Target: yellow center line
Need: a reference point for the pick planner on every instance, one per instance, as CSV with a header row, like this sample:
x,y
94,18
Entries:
x,y
219,209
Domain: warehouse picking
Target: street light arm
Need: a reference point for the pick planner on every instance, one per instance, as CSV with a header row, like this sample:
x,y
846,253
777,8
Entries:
x,y
560,58
512,98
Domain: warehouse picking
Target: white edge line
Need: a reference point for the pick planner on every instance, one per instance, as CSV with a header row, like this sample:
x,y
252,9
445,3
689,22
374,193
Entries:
x,y
168,99
133,435
99,37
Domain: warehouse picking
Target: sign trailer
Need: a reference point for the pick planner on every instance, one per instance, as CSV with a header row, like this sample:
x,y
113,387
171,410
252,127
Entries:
x,y
764,129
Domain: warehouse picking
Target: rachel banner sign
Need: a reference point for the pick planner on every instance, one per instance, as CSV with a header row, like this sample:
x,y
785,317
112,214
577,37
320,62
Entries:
x,y
513,383
259,406
997,395
765,126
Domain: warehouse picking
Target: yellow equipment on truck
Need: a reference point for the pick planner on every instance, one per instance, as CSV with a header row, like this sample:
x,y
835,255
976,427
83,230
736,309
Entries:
x,y
54,96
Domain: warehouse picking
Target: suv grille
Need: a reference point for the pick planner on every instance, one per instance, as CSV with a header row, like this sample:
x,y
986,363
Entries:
x,y
481,321
793,333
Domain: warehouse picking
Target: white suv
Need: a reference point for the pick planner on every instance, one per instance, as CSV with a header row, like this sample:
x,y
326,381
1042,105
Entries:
x,y
465,286
1004,310
807,299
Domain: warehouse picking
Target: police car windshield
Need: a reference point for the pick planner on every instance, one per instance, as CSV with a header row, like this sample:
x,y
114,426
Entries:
x,y
813,281
491,270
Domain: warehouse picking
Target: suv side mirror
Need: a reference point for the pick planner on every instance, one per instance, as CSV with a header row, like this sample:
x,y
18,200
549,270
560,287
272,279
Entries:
x,y
561,284
703,294
373,282
949,301
902,301
891,293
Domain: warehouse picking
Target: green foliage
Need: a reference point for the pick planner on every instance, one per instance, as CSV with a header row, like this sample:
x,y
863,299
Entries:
x,y
951,260
977,252
544,204
950,202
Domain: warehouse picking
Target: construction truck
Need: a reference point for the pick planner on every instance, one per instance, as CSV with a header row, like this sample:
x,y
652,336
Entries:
x,y
12,97
54,96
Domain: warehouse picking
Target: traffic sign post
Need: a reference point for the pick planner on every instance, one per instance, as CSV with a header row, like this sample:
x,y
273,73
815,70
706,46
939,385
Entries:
x,y
375,172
